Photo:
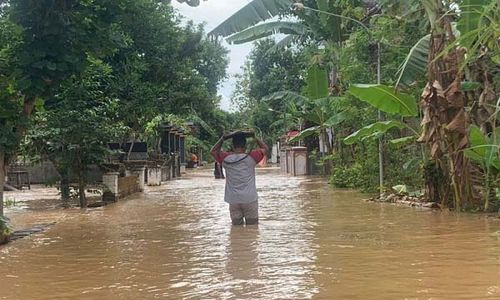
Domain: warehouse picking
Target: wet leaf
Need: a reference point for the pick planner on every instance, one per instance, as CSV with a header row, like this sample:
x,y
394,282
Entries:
x,y
467,86
305,133
372,130
254,12
385,99
400,189
403,141
415,64
317,82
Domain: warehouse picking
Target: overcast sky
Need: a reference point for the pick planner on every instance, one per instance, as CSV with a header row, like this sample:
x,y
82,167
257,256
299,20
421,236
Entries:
x,y
212,13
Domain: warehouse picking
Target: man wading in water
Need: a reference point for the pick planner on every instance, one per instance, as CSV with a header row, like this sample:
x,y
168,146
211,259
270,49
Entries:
x,y
241,193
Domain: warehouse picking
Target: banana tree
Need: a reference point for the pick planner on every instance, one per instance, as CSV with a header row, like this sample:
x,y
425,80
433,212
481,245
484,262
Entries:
x,y
440,56
445,123
384,99
317,107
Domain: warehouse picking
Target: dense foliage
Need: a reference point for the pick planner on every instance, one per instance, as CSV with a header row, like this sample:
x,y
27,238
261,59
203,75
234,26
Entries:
x,y
76,75
413,43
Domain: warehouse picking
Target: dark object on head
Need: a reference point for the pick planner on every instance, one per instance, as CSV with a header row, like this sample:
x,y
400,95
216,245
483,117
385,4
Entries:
x,y
239,140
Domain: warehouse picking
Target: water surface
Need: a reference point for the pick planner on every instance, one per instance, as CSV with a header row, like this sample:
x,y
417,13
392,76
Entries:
x,y
313,242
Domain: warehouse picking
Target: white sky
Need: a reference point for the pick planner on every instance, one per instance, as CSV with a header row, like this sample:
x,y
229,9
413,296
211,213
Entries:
x,y
212,13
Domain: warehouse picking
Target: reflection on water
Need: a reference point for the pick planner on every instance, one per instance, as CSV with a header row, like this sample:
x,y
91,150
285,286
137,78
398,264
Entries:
x,y
313,242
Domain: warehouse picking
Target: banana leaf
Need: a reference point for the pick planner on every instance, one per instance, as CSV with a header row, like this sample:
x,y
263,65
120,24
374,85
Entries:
x,y
266,29
254,12
372,130
415,64
385,99
305,133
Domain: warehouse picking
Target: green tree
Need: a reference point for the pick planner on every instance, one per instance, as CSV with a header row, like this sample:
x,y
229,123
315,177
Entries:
x,y
48,41
266,72
76,126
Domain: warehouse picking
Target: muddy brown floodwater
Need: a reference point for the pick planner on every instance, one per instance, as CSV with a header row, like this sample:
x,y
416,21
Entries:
x,y
313,242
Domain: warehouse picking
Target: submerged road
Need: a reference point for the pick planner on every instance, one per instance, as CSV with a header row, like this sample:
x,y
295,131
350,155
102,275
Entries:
x,y
313,242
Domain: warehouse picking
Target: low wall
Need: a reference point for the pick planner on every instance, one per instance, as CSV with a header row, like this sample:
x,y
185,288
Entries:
x,y
294,161
119,187
128,185
154,176
46,173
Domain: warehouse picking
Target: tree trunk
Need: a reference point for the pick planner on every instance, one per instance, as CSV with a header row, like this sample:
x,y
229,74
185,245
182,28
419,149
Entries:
x,y
446,122
327,164
2,178
65,191
131,147
28,107
81,190
81,184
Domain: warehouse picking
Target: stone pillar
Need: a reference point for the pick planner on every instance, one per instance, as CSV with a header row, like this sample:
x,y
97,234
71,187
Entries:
x,y
174,165
165,138
110,181
274,154
299,161
139,171
177,165
289,160
171,164
154,176
283,160
176,142
165,173
182,150
172,142
182,154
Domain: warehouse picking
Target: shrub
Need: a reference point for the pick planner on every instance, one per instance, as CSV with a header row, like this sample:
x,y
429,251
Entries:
x,y
346,177
5,229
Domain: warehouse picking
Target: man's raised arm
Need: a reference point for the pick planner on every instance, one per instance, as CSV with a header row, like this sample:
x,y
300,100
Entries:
x,y
217,147
262,145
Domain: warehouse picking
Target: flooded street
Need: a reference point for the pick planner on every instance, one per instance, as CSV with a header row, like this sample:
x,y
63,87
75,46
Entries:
x,y
313,242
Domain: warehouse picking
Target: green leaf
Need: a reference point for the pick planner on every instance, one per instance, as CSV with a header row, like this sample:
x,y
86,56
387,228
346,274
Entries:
x,y
403,141
470,15
287,96
414,66
305,133
481,149
467,86
401,189
385,99
285,42
477,138
251,14
336,119
411,164
323,6
470,153
39,104
266,29
51,66
432,9
317,82
372,130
